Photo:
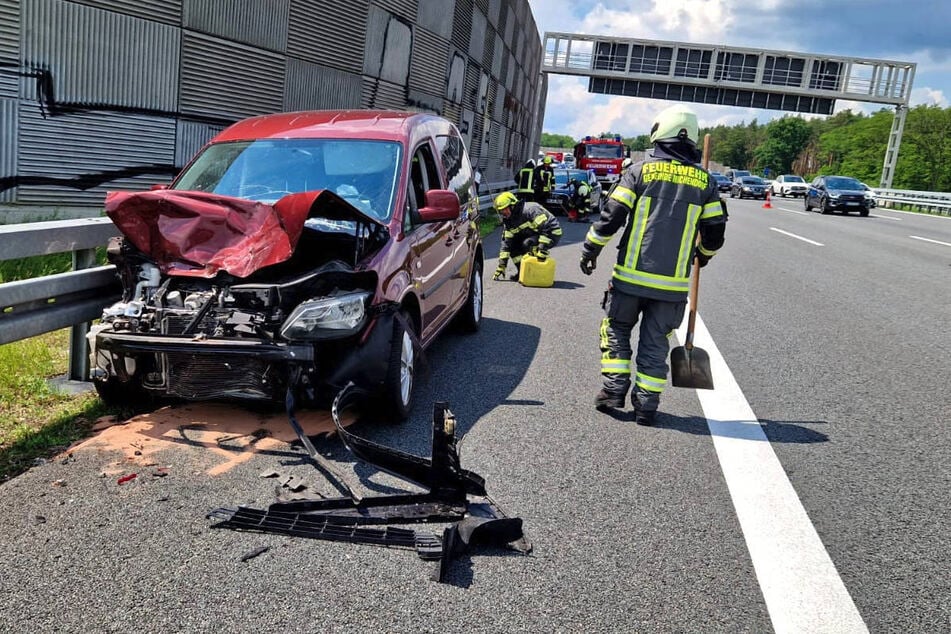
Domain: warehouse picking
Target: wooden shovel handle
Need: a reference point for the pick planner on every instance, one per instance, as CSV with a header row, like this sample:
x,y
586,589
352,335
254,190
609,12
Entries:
x,y
695,274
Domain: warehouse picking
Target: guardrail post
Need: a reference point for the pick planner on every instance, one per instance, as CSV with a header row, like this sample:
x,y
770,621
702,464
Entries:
x,y
78,353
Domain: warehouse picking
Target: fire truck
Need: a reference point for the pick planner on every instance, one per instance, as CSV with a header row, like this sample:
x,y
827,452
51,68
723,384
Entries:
x,y
604,155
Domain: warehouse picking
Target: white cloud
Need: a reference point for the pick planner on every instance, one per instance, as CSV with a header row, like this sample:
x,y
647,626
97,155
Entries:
x,y
928,96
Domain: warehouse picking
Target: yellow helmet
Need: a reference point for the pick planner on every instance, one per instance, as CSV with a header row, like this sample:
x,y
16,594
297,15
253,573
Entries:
x,y
547,160
505,199
676,122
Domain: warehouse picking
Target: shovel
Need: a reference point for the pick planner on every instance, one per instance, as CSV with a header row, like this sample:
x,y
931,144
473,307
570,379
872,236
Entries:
x,y
690,366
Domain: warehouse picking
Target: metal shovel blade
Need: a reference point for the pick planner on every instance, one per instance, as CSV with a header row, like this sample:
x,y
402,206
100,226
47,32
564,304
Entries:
x,y
690,368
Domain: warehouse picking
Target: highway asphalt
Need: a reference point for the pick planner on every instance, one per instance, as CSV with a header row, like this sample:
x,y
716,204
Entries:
x,y
835,328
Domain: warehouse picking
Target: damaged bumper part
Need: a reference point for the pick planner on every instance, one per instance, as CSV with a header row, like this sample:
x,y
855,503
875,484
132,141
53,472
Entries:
x,y
452,494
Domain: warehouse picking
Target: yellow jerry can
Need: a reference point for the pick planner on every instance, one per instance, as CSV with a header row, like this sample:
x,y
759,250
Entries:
x,y
535,272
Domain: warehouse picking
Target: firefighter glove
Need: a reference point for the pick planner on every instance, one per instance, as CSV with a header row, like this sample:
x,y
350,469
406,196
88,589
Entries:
x,y
701,258
588,263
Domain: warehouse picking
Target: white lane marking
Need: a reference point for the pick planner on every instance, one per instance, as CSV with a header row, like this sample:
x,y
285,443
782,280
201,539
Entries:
x,y
793,235
801,586
947,244
886,218
793,211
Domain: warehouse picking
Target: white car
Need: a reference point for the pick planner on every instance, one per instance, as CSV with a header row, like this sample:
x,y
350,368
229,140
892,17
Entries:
x,y
789,185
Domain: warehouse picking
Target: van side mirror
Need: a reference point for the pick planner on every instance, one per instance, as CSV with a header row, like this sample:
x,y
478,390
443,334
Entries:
x,y
440,205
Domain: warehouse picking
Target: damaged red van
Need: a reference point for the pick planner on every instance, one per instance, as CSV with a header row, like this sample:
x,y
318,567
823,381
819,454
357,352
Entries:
x,y
295,253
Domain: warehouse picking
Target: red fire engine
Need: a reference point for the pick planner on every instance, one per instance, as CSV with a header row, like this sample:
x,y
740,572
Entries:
x,y
604,155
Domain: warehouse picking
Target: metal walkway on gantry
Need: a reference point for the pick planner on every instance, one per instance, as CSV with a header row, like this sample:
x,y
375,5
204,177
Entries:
x,y
734,76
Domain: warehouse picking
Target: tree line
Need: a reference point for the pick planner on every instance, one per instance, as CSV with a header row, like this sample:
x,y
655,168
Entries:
x,y
846,143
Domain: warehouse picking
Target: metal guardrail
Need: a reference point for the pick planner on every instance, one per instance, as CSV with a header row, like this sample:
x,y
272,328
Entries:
x,y
932,202
35,306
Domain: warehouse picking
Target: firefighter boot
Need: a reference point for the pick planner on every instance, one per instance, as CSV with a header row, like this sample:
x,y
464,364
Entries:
x,y
606,400
645,406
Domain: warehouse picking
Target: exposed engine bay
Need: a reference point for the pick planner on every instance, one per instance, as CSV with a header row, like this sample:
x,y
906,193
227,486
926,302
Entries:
x,y
187,327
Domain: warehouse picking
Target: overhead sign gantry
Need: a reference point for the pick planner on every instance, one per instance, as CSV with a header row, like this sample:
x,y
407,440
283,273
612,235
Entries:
x,y
734,76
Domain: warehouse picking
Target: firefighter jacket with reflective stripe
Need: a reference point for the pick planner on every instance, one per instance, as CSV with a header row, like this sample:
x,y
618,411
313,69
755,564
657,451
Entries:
x,y
664,203
544,179
528,219
526,181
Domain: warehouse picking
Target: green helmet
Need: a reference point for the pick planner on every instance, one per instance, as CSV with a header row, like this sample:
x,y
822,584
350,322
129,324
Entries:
x,y
505,199
675,122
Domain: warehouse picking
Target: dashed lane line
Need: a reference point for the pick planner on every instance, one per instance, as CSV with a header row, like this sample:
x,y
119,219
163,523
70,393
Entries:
x,y
947,244
793,235
801,586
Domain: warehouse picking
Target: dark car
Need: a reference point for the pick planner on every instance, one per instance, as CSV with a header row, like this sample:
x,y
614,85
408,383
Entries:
x,y
560,199
748,186
723,183
296,252
837,193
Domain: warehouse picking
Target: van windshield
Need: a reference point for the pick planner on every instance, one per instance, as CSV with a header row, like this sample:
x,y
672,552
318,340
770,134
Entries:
x,y
362,172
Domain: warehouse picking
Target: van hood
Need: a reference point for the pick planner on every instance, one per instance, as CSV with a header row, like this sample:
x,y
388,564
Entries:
x,y
198,234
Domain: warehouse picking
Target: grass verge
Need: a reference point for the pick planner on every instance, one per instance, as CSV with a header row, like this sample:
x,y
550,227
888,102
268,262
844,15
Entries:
x,y
37,421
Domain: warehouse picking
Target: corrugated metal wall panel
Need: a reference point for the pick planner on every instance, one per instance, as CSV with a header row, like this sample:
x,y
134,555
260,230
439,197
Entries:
x,y
259,22
498,54
168,11
229,80
430,62
508,23
462,24
99,57
190,137
310,86
8,149
406,9
488,48
495,6
83,155
471,90
9,46
328,32
477,36
383,94
452,112
432,16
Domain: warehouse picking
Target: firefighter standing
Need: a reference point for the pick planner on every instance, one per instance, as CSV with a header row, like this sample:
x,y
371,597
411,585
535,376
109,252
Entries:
x,y
527,227
544,180
525,181
664,201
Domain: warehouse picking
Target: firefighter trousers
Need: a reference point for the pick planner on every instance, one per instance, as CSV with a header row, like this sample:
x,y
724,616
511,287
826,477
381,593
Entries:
x,y
658,320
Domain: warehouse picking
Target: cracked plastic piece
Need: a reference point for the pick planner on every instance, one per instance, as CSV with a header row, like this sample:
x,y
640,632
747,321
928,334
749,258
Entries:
x,y
453,494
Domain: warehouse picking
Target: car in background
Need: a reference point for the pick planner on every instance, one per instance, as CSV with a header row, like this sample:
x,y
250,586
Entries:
x,y
297,252
870,194
723,183
748,187
789,185
559,201
837,193
735,174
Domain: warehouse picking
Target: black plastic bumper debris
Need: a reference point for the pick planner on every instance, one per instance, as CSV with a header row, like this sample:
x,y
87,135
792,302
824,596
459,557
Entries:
x,y
452,494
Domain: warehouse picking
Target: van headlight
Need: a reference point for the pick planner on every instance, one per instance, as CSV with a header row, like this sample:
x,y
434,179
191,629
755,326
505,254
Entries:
x,y
327,317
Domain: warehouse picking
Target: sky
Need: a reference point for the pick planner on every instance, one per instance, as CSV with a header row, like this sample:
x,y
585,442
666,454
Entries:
x,y
906,31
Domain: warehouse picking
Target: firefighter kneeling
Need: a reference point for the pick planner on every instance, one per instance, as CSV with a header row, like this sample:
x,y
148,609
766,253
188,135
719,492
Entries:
x,y
578,204
527,229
